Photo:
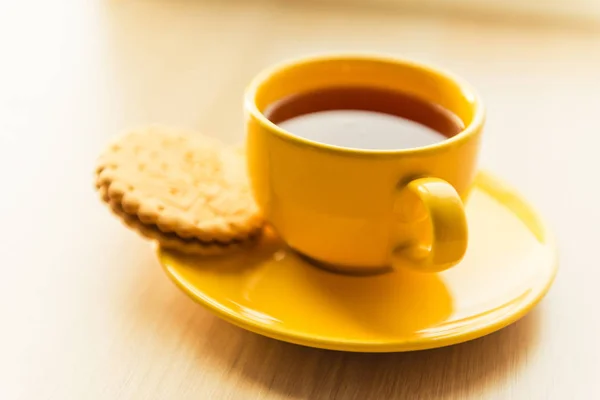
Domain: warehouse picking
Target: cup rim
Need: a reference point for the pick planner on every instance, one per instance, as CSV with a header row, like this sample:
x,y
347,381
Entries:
x,y
263,76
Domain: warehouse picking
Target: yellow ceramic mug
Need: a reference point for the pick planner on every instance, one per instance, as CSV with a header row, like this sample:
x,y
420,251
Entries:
x,y
364,209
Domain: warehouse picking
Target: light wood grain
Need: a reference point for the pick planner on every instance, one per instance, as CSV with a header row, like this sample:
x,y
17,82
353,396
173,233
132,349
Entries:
x,y
87,312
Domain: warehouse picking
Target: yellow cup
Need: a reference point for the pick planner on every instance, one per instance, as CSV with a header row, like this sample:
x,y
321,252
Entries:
x,y
362,210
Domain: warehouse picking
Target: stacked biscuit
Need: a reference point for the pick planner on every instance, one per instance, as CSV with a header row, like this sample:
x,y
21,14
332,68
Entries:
x,y
188,192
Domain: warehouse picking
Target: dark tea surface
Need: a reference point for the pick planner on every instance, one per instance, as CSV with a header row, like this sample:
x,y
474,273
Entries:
x,y
364,118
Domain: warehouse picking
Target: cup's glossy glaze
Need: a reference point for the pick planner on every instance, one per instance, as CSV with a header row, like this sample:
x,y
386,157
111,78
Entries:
x,y
364,209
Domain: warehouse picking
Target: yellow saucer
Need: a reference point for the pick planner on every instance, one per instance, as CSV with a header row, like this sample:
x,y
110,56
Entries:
x,y
508,268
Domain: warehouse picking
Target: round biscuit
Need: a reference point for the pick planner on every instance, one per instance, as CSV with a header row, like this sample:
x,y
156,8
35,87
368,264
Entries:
x,y
181,182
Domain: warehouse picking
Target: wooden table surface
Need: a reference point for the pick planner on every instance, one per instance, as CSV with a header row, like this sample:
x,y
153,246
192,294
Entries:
x,y
87,313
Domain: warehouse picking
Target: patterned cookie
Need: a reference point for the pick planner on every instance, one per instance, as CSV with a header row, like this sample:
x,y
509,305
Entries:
x,y
171,240
182,183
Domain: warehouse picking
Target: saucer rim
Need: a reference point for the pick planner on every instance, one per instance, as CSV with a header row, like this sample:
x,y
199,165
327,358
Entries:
x,y
507,195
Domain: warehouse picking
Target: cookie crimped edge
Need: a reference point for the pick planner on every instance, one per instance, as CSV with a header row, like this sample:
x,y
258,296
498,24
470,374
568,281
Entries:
x,y
186,246
147,210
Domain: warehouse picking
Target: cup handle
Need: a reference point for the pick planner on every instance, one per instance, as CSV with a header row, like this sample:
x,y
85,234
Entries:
x,y
448,224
